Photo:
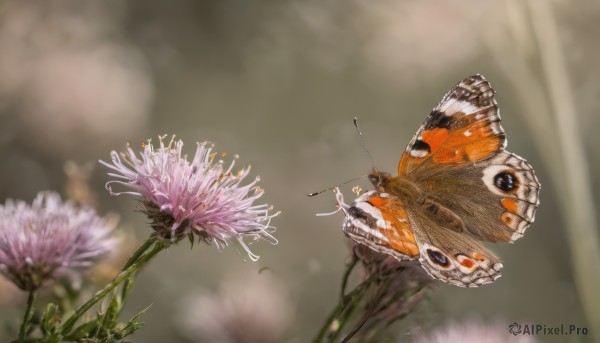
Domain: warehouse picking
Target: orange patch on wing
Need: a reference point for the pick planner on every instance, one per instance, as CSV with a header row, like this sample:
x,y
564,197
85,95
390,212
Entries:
x,y
378,202
434,138
467,262
470,144
478,256
398,232
474,142
506,219
404,163
509,204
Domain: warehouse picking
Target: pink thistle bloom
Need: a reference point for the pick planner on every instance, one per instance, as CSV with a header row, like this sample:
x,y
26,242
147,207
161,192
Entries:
x,y
41,241
201,197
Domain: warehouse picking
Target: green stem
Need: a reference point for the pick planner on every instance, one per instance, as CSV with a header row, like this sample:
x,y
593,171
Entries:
x,y
369,313
27,316
347,276
347,301
139,252
341,304
141,261
346,315
133,259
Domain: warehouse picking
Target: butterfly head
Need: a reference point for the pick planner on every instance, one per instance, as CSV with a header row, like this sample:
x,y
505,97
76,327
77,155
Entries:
x,y
380,179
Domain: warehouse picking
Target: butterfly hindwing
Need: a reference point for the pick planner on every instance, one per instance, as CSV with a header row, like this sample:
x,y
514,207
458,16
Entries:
x,y
384,223
379,221
496,199
453,257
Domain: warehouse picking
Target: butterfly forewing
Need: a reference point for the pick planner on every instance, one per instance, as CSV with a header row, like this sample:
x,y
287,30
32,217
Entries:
x,y
463,128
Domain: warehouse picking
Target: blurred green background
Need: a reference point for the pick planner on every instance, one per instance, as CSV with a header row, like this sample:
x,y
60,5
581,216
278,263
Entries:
x,y
279,82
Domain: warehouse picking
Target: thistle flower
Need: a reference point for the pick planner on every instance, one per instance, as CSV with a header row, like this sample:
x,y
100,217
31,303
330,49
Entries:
x,y
200,197
42,241
398,287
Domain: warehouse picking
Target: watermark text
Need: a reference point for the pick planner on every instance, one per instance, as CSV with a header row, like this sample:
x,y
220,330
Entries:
x,y
546,330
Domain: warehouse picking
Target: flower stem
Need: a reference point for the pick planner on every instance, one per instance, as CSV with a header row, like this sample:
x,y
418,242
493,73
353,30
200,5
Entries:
x,y
27,316
346,276
124,275
346,304
133,259
139,252
369,313
346,315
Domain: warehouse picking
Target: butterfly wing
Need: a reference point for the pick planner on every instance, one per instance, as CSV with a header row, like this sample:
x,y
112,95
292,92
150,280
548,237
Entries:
x,y
385,223
462,129
450,256
471,189
458,159
379,221
496,199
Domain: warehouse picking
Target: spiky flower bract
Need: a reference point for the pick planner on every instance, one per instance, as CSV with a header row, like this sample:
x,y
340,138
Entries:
x,y
200,196
46,239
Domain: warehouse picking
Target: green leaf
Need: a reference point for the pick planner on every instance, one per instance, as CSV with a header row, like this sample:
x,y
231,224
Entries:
x,y
191,239
50,320
107,320
83,331
112,312
138,315
127,287
131,326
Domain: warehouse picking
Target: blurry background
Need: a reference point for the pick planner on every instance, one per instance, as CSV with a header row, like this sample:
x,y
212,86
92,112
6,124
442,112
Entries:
x,y
278,83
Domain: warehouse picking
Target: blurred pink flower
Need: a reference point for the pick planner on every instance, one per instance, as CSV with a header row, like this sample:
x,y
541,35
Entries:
x,y
474,331
255,310
39,242
201,196
74,42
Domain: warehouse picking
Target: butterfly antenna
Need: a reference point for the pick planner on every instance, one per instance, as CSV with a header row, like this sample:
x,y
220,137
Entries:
x,y
334,187
364,144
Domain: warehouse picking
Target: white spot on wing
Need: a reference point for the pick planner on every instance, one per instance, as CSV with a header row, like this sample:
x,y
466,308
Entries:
x,y
370,231
469,108
453,106
375,213
530,212
418,153
516,236
495,129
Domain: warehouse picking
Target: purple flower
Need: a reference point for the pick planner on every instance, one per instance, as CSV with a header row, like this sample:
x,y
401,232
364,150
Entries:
x,y
201,197
42,241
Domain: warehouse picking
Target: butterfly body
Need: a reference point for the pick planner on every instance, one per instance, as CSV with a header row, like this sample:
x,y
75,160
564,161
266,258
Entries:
x,y
413,196
456,187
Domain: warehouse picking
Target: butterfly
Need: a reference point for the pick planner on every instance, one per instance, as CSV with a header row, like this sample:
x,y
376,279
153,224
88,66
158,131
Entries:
x,y
456,187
